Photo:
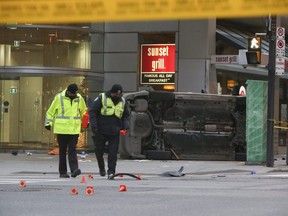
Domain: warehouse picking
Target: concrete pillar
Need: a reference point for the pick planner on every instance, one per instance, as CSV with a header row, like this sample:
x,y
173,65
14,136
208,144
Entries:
x,y
197,39
95,81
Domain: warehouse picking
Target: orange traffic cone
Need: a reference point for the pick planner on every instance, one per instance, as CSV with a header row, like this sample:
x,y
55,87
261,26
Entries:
x,y
122,188
22,184
83,180
89,190
139,176
90,176
74,191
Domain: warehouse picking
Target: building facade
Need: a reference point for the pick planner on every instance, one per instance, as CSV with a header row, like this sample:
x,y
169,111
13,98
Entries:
x,y
95,56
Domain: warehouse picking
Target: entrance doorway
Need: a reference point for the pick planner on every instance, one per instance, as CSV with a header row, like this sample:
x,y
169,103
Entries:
x,y
24,102
9,117
21,114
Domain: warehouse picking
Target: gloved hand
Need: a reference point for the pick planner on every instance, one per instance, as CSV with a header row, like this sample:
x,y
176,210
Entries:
x,y
123,132
48,127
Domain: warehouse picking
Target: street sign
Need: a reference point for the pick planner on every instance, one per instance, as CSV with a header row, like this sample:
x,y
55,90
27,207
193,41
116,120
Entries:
x,y
280,66
280,48
280,51
280,33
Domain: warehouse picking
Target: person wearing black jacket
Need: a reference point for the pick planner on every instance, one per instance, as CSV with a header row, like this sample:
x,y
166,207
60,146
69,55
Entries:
x,y
107,116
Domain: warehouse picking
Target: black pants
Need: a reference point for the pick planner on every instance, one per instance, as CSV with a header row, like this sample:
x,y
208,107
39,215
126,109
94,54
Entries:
x,y
70,141
113,145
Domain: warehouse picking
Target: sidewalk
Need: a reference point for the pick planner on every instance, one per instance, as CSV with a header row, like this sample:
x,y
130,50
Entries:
x,y
23,162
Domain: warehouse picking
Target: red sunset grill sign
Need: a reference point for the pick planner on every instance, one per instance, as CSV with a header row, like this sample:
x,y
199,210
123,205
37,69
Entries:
x,y
157,63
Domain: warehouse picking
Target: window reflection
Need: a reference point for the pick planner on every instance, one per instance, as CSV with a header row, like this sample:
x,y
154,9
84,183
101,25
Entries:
x,y
36,63
45,46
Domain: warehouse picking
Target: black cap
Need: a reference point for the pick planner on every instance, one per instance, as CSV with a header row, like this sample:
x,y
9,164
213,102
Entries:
x,y
72,88
116,88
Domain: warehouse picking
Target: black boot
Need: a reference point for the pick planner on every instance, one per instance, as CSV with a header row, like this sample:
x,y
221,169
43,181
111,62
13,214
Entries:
x,y
75,173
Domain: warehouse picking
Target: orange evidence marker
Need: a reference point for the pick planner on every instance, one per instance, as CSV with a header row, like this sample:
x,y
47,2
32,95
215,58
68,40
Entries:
x,y
89,190
74,191
22,183
122,188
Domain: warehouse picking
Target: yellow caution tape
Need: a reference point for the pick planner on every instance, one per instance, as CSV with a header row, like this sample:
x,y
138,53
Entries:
x,y
278,122
279,127
65,11
281,124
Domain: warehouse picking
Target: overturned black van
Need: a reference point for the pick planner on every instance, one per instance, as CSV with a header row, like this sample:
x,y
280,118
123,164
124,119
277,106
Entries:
x,y
178,125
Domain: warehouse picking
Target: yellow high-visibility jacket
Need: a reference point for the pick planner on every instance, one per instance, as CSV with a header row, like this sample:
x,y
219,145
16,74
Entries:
x,y
64,115
108,107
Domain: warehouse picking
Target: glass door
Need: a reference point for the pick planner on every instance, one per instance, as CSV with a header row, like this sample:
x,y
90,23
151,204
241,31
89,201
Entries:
x,y
9,114
24,102
21,114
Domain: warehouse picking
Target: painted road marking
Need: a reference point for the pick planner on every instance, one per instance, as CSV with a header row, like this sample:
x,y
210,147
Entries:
x,y
17,179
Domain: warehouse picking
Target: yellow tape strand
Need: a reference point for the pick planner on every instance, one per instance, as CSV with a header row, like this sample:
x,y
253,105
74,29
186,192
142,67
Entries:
x,y
279,127
65,11
281,124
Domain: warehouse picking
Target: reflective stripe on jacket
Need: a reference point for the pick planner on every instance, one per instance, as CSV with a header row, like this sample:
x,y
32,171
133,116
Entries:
x,y
109,109
65,115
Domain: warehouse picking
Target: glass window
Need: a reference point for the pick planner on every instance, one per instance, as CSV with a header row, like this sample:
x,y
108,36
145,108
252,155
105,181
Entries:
x,y
230,82
45,46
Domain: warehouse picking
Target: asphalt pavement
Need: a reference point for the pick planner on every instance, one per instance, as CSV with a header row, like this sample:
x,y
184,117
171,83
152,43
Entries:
x,y
206,188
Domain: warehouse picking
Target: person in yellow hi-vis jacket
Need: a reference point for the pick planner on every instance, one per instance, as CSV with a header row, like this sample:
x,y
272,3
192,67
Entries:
x,y
64,116
108,116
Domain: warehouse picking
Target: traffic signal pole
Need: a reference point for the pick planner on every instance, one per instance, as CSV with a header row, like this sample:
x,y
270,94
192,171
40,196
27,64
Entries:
x,y
271,32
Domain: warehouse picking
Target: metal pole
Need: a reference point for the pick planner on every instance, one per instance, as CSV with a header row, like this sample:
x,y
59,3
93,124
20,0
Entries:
x,y
271,32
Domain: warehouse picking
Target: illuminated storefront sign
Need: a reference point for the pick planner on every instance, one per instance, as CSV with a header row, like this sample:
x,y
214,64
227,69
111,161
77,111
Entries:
x,y
157,63
224,59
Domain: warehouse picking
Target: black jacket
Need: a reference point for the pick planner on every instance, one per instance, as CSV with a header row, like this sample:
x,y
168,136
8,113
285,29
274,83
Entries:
x,y
108,125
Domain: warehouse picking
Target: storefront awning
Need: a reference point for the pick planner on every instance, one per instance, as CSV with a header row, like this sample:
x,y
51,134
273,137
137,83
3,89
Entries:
x,y
239,38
